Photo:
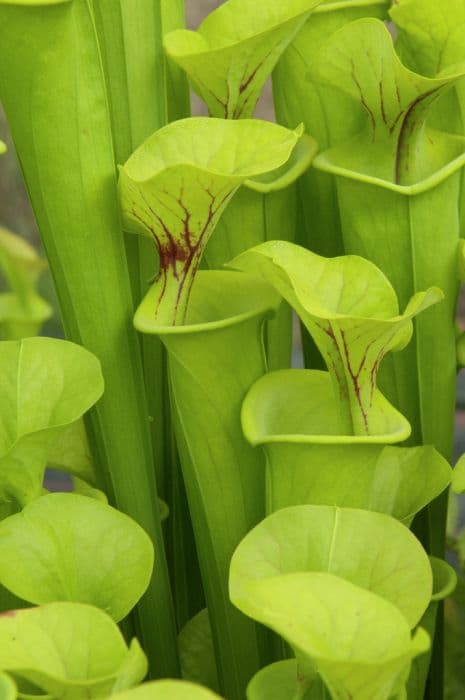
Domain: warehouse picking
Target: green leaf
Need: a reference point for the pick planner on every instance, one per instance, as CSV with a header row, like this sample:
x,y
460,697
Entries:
x,y
371,550
168,690
7,688
83,488
69,650
350,309
458,476
233,52
176,185
72,454
46,384
69,547
358,642
22,310
293,415
299,161
196,651
394,145
283,681
444,579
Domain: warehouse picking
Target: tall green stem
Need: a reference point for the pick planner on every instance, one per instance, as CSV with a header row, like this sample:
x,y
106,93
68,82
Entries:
x,y
53,91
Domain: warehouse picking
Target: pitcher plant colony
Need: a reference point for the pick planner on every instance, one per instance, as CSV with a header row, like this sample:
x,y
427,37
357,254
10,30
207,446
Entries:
x,y
237,528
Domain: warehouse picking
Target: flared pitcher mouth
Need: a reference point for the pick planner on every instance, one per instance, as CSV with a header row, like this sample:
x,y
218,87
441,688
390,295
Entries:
x,y
327,162
219,299
298,406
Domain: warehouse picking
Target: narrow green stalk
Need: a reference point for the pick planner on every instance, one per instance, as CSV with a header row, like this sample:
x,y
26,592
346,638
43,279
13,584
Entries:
x,y
130,39
53,91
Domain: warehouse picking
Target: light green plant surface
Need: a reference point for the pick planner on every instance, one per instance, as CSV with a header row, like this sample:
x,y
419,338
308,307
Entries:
x,y
22,309
174,192
168,690
72,454
178,98
293,416
69,650
283,681
311,413
429,41
224,321
351,311
413,173
326,114
371,649
394,145
264,209
371,550
233,52
7,687
69,168
197,653
292,572
46,384
74,548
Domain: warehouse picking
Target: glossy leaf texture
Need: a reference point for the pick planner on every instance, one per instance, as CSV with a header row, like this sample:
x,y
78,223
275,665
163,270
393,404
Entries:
x,y
46,384
66,547
371,550
293,416
175,187
358,642
394,144
22,309
350,309
168,690
69,650
233,52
